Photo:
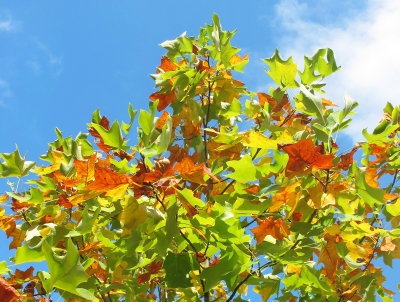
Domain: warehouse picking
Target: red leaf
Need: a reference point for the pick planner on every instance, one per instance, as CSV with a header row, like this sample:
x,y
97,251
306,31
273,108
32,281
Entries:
x,y
9,293
347,159
303,154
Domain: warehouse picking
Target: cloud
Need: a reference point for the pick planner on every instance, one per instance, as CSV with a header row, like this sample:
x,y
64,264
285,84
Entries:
x,y
5,92
7,23
44,59
366,43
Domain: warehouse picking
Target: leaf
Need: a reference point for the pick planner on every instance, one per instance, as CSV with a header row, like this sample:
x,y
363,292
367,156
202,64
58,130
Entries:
x,y
268,287
303,154
110,182
9,293
164,99
238,63
372,196
281,71
15,165
133,215
312,103
66,272
329,257
244,169
276,228
258,140
289,195
177,268
111,137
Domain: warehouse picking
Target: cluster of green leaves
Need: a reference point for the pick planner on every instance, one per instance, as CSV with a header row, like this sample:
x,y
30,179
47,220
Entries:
x,y
226,190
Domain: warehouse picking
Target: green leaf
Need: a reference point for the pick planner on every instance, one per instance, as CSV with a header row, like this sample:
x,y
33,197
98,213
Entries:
x,y
3,267
26,254
66,272
281,71
132,114
372,196
244,169
177,268
112,137
380,138
312,103
15,165
349,106
146,121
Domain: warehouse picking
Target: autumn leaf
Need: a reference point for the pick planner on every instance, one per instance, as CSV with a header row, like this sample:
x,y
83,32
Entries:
x,y
276,228
167,65
289,195
110,182
164,99
347,159
387,245
9,293
303,154
329,256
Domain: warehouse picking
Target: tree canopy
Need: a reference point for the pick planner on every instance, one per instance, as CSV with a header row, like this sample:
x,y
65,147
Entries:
x,y
225,190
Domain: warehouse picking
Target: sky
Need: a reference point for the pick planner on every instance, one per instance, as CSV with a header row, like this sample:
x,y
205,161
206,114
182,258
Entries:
x,y
61,60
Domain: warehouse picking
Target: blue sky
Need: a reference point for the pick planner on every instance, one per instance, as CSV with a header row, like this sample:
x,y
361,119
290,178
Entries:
x,y
61,60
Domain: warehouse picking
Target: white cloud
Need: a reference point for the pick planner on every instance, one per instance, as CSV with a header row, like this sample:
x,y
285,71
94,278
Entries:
x,y
366,45
5,92
45,59
7,23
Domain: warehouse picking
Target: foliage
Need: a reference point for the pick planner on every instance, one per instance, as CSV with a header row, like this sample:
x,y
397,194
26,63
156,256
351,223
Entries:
x,y
225,190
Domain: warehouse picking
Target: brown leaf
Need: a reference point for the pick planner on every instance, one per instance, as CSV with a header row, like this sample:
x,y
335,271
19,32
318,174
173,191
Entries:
x,y
9,293
387,245
347,159
329,257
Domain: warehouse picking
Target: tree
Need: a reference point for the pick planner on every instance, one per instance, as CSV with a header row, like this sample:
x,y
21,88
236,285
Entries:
x,y
225,190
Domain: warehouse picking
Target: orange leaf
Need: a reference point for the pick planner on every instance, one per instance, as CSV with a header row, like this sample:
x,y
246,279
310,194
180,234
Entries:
x,y
167,64
9,293
109,181
236,60
303,154
162,120
387,245
329,257
165,99
3,198
286,195
275,228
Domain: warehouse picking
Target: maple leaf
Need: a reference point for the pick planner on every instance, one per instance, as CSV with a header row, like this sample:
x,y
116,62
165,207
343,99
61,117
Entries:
x,y
347,159
303,154
9,293
287,195
387,245
106,180
167,65
105,123
329,256
164,99
191,172
270,226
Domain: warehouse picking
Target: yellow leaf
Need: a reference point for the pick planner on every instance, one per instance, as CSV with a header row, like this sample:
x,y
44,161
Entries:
x,y
333,230
319,199
118,192
58,158
79,198
45,231
133,215
293,269
356,251
258,140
